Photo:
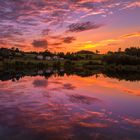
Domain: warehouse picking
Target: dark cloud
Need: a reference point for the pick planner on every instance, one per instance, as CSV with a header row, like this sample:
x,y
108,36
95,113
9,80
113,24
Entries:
x,y
56,44
59,40
68,86
69,39
40,43
83,26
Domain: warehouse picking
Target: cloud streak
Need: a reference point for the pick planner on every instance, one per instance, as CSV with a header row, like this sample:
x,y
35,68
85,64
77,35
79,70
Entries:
x,y
79,27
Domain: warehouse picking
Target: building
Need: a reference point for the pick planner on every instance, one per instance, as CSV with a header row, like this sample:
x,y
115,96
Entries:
x,y
55,57
40,57
48,58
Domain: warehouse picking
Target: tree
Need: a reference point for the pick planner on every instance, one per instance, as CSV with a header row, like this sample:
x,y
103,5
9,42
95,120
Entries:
x,y
84,52
133,51
97,52
120,49
46,53
61,54
17,50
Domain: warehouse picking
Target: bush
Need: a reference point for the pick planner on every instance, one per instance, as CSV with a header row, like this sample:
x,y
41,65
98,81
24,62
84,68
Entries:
x,y
57,65
68,65
133,51
121,59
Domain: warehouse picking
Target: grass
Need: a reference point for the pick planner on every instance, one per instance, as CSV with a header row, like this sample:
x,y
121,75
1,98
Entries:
x,y
28,61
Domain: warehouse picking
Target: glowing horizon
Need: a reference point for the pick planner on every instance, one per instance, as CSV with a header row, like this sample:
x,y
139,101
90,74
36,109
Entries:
x,y
69,25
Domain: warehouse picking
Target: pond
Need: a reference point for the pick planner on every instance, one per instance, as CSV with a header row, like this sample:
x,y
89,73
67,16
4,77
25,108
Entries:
x,y
69,107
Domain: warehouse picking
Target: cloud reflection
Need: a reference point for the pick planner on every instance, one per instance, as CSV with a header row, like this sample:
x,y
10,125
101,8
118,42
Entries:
x,y
40,83
64,114
82,99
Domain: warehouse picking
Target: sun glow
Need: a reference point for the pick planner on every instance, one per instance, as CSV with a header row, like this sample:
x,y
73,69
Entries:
x,y
88,46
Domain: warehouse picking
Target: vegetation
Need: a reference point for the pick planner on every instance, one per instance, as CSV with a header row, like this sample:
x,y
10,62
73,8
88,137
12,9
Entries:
x,y
125,61
131,56
128,60
14,75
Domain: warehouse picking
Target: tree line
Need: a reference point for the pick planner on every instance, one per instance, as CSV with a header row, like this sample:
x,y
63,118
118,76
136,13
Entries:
x,y
130,56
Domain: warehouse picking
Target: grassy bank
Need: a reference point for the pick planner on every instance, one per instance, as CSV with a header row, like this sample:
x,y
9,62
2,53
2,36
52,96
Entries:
x,y
66,64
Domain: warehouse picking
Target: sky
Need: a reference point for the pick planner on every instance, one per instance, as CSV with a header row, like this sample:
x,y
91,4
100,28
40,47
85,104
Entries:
x,y
69,25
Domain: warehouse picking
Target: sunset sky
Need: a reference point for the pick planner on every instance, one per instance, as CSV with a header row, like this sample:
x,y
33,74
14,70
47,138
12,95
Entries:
x,y
69,25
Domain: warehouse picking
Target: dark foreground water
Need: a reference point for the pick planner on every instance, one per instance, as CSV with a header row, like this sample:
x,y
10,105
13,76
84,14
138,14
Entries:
x,y
69,108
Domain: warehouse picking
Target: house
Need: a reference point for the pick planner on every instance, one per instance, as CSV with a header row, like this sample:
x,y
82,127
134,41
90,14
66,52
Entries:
x,y
61,58
55,57
48,58
40,57
40,72
48,71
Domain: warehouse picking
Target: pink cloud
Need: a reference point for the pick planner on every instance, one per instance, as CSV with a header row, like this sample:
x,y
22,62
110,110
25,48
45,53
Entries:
x,y
133,4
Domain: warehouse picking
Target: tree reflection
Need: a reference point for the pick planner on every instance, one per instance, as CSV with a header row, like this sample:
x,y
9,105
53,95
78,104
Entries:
x,y
17,75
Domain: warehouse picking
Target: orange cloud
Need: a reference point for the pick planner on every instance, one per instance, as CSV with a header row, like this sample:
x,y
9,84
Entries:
x,y
133,4
137,34
134,122
93,125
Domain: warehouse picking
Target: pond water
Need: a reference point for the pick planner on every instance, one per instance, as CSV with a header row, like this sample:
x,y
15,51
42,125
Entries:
x,y
69,108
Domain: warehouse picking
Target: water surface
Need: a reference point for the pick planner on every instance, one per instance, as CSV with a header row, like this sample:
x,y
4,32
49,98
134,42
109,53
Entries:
x,y
69,108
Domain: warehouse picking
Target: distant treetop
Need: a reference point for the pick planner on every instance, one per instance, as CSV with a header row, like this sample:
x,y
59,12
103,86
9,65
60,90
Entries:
x,y
84,52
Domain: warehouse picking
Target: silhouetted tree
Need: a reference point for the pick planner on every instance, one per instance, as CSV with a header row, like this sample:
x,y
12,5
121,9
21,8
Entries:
x,y
97,52
133,51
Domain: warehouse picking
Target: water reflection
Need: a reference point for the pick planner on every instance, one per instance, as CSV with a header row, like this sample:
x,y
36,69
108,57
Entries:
x,y
16,75
76,98
40,83
49,106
